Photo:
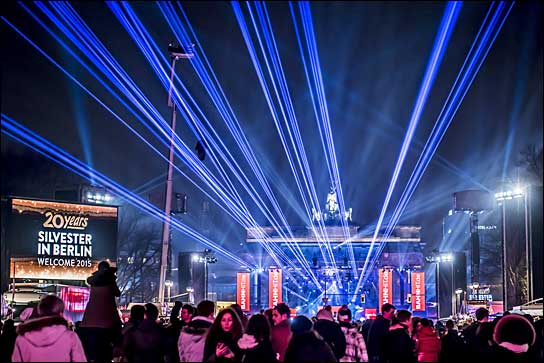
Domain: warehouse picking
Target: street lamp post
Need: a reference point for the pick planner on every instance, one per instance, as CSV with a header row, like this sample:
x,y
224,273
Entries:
x,y
517,192
176,53
169,284
458,293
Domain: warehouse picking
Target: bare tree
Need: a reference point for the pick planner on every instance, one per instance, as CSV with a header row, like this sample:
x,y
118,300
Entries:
x,y
139,252
530,158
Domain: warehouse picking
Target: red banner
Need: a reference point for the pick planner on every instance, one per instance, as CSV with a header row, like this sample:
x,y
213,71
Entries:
x,y
418,291
370,313
385,287
242,290
274,287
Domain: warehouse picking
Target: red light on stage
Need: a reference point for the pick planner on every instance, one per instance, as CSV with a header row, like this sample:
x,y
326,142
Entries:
x,y
293,312
242,290
370,313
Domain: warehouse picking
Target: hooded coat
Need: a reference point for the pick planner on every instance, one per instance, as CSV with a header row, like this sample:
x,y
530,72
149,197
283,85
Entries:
x,y
192,339
427,345
101,311
47,339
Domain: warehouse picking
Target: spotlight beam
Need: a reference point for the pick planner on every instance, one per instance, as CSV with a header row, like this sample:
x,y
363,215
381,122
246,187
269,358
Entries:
x,y
247,186
20,133
270,102
448,22
323,126
464,80
101,103
215,92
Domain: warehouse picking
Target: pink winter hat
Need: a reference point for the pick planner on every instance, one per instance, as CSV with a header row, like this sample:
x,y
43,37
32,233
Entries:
x,y
514,329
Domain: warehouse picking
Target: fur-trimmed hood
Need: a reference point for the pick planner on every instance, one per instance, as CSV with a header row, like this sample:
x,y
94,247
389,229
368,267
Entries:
x,y
45,331
39,323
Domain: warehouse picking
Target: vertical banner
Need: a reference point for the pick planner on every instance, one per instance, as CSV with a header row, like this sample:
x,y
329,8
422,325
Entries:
x,y
274,287
418,291
242,290
385,286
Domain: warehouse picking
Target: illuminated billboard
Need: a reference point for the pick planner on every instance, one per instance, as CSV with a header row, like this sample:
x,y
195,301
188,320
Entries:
x,y
57,240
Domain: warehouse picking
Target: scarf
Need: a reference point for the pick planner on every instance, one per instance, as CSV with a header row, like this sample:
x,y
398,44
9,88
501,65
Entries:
x,y
515,348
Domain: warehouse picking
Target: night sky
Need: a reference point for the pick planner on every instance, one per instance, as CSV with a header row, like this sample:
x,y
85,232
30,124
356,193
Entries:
x,y
373,57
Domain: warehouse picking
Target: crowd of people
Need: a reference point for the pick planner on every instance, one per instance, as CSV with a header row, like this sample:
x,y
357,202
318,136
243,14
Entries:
x,y
200,335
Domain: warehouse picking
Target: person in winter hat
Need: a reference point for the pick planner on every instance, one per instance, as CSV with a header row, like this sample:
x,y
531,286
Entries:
x,y
513,336
355,343
47,338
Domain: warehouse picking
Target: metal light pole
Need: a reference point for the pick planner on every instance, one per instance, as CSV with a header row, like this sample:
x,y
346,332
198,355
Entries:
x,y
176,53
207,259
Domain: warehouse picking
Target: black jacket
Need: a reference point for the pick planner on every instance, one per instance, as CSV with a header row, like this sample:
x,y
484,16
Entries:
x,y
145,342
333,335
308,347
500,354
453,347
398,346
376,332
262,353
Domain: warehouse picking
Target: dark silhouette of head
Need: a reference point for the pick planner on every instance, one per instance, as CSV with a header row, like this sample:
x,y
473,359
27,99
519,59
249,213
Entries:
x,y
301,324
50,305
482,314
388,311
137,313
151,312
205,308
259,327
403,316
